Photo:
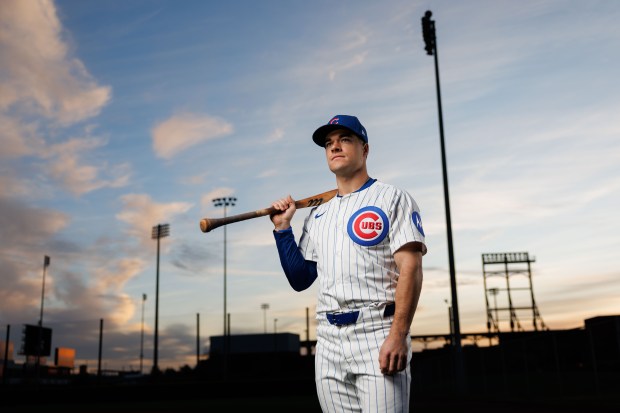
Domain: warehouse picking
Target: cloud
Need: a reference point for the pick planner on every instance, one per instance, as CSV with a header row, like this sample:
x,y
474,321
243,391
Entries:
x,y
346,60
39,75
268,173
67,167
113,279
142,213
18,187
193,258
26,235
194,180
182,131
83,284
276,135
44,89
30,225
18,138
311,67
101,292
68,164
78,279
351,62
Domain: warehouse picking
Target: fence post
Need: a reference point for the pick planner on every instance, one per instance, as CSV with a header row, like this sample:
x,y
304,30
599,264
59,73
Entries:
x,y
100,349
5,365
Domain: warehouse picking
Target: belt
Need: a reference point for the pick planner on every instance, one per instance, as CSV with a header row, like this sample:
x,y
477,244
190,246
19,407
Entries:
x,y
343,319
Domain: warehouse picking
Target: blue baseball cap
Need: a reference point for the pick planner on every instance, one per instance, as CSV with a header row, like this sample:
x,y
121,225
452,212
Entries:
x,y
348,122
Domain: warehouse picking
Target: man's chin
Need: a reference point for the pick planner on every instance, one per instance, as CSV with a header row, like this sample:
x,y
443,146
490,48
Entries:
x,y
336,168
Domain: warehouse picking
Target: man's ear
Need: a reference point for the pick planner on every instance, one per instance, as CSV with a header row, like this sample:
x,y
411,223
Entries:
x,y
366,148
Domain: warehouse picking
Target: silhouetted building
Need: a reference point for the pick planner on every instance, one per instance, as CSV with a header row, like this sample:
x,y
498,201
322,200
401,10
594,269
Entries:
x,y
604,336
574,361
255,343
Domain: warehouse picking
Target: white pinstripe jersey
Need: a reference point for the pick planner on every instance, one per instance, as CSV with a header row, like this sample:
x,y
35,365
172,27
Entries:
x,y
353,239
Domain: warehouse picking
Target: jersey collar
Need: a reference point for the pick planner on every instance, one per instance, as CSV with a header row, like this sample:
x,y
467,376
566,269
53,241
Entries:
x,y
367,184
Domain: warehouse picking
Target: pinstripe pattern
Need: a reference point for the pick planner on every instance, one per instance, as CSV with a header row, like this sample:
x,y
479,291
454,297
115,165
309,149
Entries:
x,y
348,378
354,276
350,275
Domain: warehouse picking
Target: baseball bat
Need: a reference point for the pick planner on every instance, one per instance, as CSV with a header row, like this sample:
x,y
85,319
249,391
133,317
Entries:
x,y
208,224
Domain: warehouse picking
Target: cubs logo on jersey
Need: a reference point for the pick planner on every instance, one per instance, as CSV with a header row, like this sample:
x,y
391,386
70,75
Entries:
x,y
368,226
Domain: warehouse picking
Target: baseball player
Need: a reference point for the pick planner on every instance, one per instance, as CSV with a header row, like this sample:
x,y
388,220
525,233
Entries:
x,y
365,246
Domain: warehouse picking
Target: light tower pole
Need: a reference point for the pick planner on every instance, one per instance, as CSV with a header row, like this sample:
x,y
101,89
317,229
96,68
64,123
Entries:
x,y
265,307
224,202
430,40
46,263
159,231
142,334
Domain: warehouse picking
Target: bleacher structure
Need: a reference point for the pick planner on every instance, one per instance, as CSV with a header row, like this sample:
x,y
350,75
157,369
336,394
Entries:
x,y
512,284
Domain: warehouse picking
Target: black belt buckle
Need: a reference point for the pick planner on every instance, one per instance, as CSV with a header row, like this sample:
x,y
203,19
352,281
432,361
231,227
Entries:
x,y
389,310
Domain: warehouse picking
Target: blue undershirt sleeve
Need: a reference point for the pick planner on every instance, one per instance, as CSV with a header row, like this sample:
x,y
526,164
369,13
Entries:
x,y
300,272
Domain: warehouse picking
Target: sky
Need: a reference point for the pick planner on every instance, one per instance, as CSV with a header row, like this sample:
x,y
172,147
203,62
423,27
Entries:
x,y
120,115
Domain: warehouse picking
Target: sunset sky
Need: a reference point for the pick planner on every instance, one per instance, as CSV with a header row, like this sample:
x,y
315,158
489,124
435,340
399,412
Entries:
x,y
119,115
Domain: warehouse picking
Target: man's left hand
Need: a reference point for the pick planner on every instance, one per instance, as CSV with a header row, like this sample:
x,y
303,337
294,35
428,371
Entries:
x,y
393,355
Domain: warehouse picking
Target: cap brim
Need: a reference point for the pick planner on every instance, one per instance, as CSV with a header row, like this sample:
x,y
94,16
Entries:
x,y
321,133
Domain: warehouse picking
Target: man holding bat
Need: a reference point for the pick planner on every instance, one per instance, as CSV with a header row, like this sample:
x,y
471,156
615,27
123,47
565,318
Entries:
x,y
365,246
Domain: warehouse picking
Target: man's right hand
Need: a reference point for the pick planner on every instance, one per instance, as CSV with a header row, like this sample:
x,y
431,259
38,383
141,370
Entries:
x,y
282,219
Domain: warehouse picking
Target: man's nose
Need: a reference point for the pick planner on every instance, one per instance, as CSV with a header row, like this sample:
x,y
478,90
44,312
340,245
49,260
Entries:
x,y
335,146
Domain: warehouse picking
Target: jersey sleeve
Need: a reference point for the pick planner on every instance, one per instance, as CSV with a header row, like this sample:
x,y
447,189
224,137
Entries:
x,y
299,272
405,222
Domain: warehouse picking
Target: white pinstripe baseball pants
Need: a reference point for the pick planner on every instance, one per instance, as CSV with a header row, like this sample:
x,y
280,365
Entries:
x,y
348,378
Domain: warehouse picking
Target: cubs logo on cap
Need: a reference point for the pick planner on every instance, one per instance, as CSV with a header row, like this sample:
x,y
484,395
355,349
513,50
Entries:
x,y
348,122
368,226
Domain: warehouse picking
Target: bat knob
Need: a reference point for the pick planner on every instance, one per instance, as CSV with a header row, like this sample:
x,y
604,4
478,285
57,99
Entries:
x,y
204,225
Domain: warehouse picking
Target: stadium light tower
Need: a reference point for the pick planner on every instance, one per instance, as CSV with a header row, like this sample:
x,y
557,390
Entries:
x,y
430,42
224,202
159,231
